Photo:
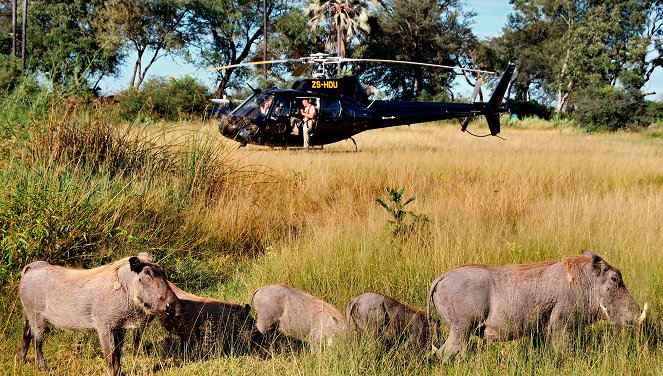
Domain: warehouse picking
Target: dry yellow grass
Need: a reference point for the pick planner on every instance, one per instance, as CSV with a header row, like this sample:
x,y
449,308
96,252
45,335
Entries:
x,y
541,194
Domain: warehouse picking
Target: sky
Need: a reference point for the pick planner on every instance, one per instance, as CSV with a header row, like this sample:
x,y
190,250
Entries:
x,y
491,17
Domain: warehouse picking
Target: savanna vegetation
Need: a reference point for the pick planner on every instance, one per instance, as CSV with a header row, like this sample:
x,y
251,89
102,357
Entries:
x,y
79,190
88,179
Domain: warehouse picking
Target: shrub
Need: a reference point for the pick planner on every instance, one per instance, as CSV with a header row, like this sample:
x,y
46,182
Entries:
x,y
654,111
10,74
606,107
169,99
530,108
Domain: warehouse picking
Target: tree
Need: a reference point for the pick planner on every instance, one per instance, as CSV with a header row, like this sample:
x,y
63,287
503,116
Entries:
x,y
234,30
562,43
348,18
65,45
150,28
293,38
653,37
428,31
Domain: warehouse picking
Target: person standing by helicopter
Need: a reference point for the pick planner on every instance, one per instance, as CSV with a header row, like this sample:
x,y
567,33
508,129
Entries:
x,y
308,113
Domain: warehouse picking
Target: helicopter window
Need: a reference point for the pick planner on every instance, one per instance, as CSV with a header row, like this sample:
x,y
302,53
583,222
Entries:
x,y
330,109
255,107
281,108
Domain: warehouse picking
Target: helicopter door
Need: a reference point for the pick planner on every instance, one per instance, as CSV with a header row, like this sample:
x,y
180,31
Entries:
x,y
279,117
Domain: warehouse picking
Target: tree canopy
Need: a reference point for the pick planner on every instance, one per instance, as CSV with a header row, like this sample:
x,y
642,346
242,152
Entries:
x,y
565,50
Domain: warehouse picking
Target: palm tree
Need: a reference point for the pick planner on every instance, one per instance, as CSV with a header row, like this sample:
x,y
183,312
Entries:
x,y
348,17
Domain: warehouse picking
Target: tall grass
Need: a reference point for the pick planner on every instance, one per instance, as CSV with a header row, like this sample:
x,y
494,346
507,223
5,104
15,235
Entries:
x,y
310,220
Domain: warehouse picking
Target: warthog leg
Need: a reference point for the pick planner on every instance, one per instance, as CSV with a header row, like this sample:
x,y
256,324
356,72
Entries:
x,y
25,344
37,330
110,350
456,344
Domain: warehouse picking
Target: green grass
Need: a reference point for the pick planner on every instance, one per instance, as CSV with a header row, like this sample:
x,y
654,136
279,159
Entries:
x,y
225,221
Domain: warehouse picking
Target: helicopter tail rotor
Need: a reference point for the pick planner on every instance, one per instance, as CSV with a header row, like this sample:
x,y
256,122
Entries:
x,y
492,109
495,101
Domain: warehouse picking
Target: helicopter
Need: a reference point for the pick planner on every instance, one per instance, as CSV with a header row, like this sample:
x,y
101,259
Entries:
x,y
271,116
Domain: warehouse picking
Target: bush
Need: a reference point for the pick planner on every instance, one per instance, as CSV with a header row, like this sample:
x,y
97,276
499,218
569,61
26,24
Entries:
x,y
530,108
10,74
654,111
610,108
169,99
23,105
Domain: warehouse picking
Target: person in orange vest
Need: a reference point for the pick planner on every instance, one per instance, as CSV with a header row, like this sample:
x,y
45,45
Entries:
x,y
308,113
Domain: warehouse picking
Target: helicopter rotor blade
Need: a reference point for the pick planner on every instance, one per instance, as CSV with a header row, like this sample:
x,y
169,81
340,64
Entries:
x,y
477,90
335,61
222,67
301,69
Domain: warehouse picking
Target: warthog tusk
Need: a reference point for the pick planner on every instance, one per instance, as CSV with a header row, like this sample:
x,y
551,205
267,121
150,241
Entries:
x,y
605,311
433,350
643,315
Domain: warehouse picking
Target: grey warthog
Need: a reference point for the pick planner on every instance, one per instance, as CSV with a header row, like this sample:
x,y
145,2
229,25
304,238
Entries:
x,y
213,323
297,314
126,293
545,299
392,321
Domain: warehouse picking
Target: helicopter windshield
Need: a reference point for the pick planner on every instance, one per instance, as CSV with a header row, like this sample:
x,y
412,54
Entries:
x,y
256,107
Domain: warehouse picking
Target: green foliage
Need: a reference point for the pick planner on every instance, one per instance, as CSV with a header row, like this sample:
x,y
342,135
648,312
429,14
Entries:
x,y
607,108
10,73
169,99
234,28
423,31
65,45
41,218
399,226
529,109
153,28
560,45
654,110
27,102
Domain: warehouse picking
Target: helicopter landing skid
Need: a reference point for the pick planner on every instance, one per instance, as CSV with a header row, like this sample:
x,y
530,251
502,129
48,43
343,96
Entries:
x,y
355,143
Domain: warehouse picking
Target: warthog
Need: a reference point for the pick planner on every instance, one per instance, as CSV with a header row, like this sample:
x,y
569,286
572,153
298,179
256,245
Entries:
x,y
297,314
224,325
126,293
392,321
544,299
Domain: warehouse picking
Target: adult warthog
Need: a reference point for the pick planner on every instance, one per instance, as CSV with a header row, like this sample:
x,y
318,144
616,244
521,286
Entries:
x,y
544,299
297,314
215,324
393,322
126,293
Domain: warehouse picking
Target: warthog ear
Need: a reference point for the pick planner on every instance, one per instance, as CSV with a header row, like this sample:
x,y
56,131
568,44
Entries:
x,y
589,253
145,256
135,264
597,262
247,308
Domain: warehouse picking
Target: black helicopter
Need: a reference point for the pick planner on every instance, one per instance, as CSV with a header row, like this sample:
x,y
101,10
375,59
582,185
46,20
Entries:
x,y
271,116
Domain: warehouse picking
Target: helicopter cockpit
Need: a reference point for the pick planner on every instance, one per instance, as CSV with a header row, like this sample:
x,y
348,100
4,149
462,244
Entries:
x,y
265,115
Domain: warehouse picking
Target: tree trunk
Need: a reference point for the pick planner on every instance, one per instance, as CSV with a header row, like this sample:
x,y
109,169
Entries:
x,y
225,79
14,12
24,28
